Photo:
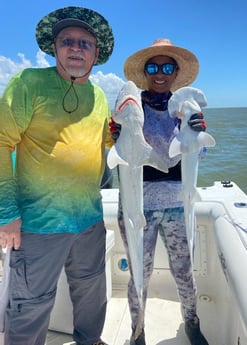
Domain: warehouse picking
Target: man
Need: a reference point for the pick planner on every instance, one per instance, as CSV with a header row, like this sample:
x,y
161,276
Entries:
x,y
50,208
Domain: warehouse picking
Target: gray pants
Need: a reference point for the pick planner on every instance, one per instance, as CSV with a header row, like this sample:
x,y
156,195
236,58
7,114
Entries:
x,y
35,270
169,223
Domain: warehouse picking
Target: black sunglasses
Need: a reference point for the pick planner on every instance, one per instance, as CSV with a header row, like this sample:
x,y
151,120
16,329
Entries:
x,y
82,44
166,68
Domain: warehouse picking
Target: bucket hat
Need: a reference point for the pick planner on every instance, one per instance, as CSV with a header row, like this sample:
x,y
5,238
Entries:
x,y
187,63
49,27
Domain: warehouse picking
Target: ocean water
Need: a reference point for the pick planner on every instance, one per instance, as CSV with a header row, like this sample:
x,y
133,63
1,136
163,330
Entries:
x,y
227,161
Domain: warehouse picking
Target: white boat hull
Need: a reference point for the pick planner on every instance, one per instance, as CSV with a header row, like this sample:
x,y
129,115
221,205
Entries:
x,y
220,263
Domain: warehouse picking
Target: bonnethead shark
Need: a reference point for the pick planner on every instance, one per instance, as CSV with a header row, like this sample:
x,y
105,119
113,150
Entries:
x,y
183,103
131,152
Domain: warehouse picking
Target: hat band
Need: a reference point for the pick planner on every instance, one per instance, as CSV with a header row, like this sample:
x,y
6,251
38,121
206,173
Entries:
x,y
70,22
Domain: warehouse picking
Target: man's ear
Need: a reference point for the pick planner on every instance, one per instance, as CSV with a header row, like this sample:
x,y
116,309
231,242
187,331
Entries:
x,y
96,55
54,49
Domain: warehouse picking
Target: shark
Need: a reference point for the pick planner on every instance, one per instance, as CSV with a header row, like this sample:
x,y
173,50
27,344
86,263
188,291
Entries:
x,y
183,103
130,153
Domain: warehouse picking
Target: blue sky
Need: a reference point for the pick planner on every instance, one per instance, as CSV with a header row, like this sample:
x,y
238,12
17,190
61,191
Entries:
x,y
215,31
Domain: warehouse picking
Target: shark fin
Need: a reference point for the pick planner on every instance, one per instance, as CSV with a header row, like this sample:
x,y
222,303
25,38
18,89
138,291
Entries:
x,y
206,139
142,221
114,159
150,157
175,148
139,223
156,161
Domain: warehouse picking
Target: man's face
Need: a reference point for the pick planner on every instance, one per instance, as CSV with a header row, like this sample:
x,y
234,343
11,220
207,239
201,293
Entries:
x,y
75,51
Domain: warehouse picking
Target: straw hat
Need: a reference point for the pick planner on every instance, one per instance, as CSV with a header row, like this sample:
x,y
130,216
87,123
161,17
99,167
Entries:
x,y
187,63
49,27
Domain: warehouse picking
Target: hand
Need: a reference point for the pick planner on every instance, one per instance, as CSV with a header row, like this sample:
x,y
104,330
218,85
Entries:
x,y
115,129
10,235
197,122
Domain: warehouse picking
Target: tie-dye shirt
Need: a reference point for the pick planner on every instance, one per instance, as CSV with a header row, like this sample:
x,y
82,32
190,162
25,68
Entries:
x,y
60,156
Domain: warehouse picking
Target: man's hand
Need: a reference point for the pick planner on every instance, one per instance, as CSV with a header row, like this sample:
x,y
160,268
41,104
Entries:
x,y
10,235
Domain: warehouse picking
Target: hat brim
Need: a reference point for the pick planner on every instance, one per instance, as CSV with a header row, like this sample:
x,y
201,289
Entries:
x,y
76,16
187,63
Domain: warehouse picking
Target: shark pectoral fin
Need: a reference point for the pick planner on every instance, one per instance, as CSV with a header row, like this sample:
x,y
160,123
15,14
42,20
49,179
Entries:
x,y
156,161
175,148
142,221
139,222
151,158
206,139
113,158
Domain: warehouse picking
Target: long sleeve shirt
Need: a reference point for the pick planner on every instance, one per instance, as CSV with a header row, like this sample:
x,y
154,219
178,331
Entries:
x,y
59,155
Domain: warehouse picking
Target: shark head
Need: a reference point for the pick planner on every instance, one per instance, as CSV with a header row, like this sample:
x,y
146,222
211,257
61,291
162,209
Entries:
x,y
131,148
192,96
128,102
184,103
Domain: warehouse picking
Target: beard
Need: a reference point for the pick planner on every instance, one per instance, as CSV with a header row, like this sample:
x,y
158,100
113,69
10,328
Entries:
x,y
76,72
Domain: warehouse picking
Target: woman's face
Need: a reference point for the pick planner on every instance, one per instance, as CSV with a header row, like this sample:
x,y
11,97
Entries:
x,y
160,82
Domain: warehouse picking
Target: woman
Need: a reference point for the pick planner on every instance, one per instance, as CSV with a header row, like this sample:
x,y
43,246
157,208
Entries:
x,y
159,70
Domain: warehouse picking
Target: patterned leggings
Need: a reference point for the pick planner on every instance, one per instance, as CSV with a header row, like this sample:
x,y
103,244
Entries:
x,y
171,227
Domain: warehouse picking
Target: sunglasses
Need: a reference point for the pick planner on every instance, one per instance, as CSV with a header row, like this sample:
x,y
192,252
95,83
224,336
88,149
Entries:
x,y
166,68
81,44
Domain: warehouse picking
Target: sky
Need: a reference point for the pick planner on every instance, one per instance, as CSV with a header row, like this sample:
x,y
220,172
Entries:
x,y
214,30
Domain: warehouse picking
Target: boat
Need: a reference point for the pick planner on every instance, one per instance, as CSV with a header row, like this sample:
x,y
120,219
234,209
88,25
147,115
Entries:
x,y
220,270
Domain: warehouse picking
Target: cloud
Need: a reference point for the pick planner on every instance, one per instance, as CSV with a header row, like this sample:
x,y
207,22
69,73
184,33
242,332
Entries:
x,y
9,67
41,60
110,82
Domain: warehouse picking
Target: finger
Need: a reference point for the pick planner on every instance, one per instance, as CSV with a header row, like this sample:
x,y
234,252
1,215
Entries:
x,y
9,243
3,243
17,241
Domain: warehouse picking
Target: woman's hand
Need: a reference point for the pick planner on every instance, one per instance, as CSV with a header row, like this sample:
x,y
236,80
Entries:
x,y
197,122
115,129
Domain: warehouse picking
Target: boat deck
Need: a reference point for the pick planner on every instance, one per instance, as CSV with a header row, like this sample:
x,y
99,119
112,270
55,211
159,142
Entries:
x,y
164,325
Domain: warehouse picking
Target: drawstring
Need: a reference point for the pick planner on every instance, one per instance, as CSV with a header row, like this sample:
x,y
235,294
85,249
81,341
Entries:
x,y
71,87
